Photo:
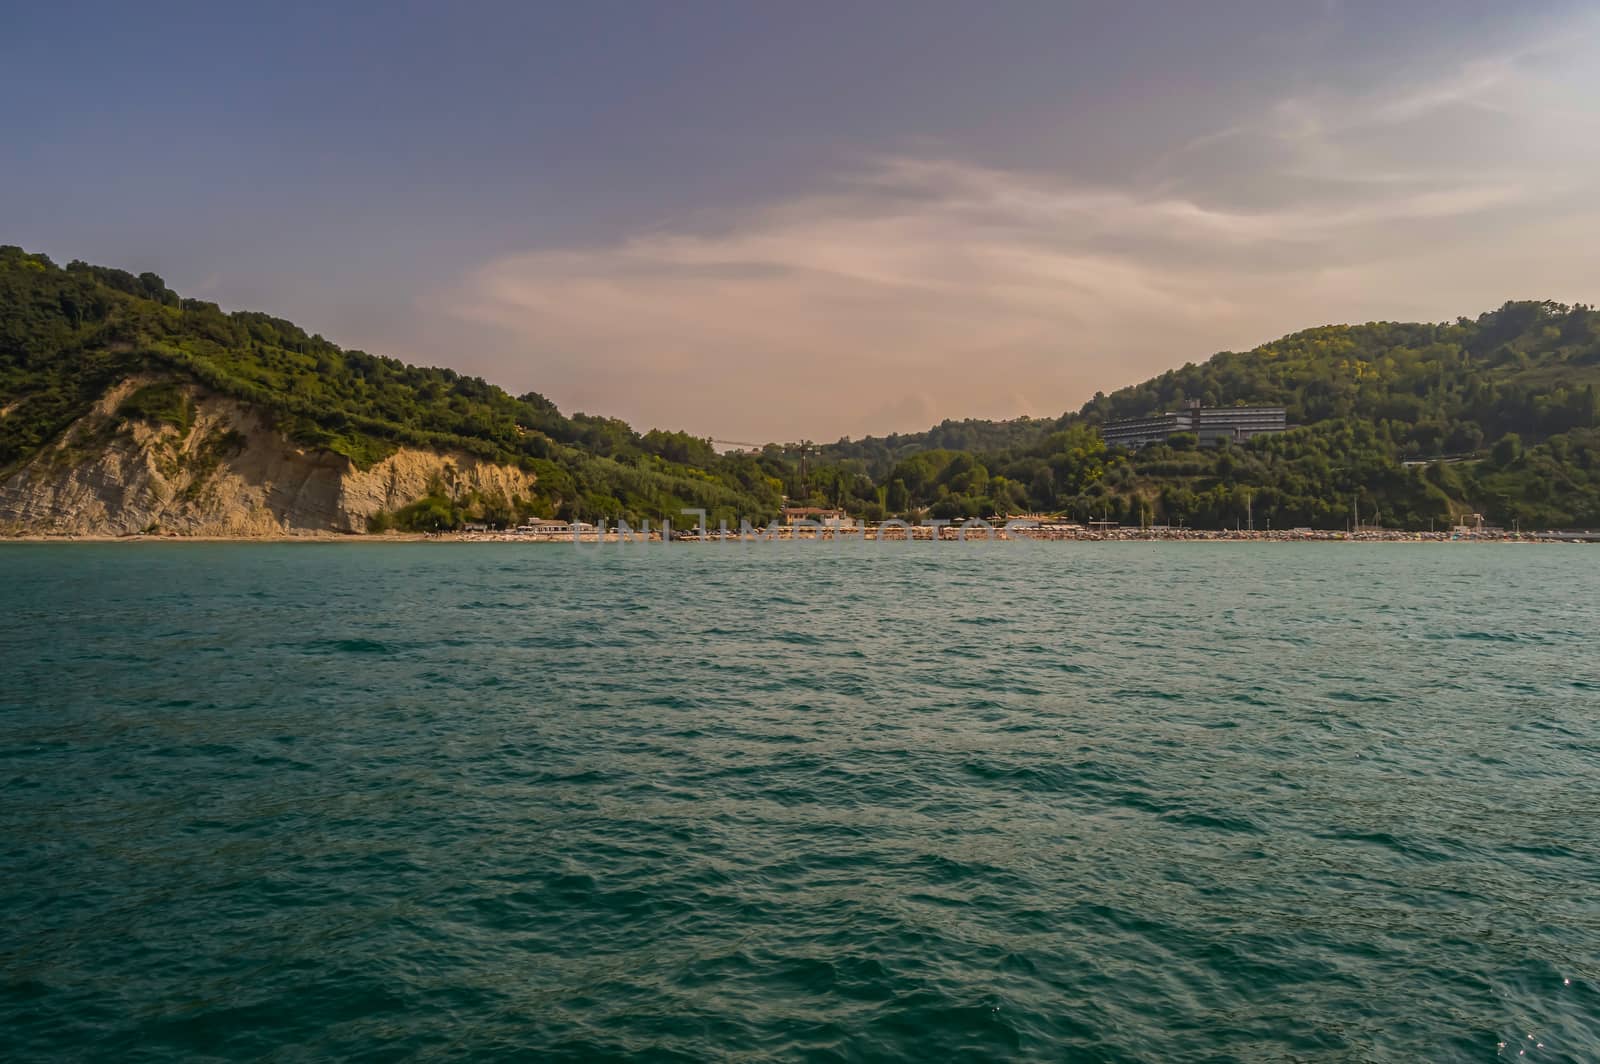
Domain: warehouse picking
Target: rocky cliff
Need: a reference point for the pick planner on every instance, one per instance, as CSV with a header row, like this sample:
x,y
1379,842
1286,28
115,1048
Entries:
x,y
222,471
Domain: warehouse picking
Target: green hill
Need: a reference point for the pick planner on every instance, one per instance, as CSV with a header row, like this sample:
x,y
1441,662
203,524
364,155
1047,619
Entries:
x,y
67,335
1506,403
1404,424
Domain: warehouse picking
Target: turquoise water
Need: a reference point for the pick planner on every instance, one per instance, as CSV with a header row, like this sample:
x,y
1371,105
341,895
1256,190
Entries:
x,y
1118,802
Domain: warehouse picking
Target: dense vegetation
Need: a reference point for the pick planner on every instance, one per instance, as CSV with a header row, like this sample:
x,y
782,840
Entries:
x,y
68,334
1400,424
1405,425
877,455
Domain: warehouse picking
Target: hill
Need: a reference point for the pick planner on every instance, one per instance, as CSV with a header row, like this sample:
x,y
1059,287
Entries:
x,y
125,407
1404,424
877,455
105,375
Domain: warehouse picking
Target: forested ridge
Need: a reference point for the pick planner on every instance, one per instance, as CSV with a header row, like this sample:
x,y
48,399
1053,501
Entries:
x,y
1400,424
67,334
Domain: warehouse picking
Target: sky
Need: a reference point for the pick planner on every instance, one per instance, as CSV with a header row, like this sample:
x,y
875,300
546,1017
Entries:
x,y
773,222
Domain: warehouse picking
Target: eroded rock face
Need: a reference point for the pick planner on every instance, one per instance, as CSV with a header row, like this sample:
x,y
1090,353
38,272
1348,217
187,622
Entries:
x,y
230,474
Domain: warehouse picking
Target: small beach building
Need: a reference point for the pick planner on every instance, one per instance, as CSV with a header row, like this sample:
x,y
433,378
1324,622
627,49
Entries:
x,y
544,528
793,515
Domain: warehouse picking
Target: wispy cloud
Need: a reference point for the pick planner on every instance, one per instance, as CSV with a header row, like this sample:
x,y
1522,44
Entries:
x,y
914,287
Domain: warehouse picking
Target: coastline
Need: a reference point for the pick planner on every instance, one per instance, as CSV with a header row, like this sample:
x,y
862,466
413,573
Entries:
x,y
310,537
919,533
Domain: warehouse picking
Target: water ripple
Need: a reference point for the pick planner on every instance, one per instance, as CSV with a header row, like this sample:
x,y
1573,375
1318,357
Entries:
x,y
1033,801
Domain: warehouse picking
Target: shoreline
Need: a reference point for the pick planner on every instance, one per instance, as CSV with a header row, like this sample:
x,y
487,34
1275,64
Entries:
x,y
921,534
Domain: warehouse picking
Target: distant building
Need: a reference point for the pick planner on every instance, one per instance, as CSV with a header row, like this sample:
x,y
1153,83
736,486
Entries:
x,y
1135,432
818,515
1212,424
544,527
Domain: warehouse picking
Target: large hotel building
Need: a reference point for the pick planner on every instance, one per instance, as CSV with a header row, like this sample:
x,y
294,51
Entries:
x,y
1213,424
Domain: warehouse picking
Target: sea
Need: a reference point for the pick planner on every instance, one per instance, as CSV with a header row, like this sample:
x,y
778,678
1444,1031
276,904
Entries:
x,y
800,801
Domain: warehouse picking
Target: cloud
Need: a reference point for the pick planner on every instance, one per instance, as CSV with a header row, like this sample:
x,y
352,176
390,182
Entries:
x,y
912,288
